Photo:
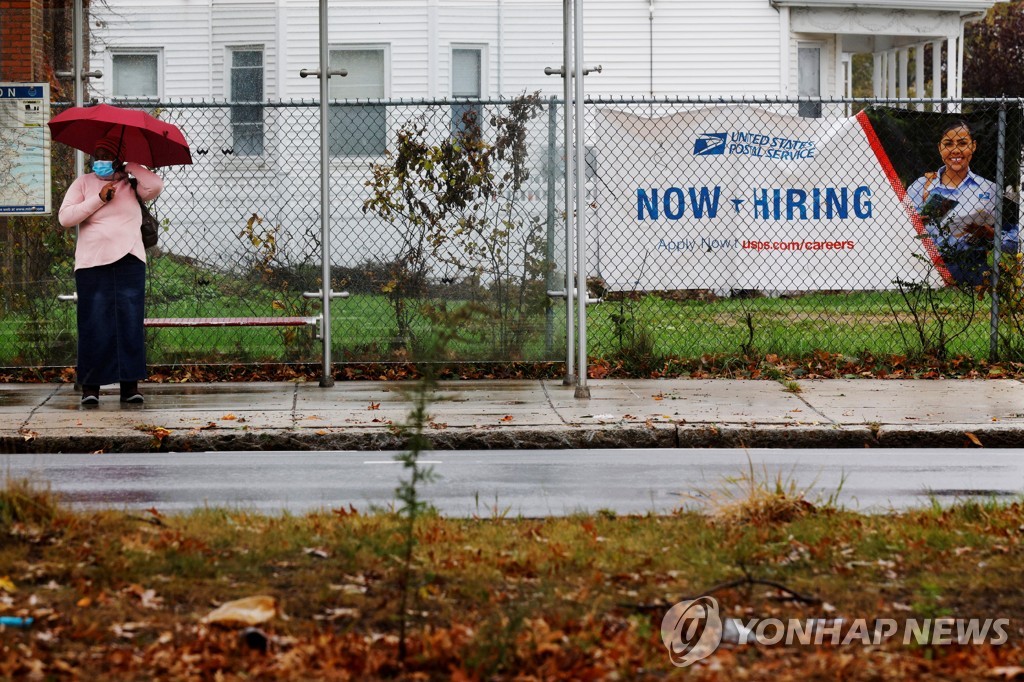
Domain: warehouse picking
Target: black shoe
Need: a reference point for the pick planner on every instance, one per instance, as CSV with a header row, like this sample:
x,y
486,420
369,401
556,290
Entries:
x,y
90,396
130,393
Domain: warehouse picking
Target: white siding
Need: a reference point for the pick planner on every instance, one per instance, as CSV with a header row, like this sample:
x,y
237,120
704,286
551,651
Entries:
x,y
399,25
532,41
244,24
697,46
181,30
713,48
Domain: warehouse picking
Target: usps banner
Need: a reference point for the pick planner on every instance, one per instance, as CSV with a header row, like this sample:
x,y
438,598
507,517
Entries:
x,y
734,197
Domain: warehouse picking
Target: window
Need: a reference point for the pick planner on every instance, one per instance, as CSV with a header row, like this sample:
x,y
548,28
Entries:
x,y
808,62
358,129
247,86
467,82
136,75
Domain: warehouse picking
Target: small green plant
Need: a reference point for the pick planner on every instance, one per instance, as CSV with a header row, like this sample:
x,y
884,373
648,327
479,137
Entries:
x,y
271,267
447,328
929,602
456,204
940,315
1010,292
636,350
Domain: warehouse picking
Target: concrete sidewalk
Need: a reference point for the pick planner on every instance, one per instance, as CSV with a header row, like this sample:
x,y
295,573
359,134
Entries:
x,y
527,414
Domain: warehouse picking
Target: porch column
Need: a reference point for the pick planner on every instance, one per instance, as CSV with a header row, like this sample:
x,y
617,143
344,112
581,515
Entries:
x,y
890,73
952,74
840,68
848,68
960,61
876,75
919,74
936,69
903,55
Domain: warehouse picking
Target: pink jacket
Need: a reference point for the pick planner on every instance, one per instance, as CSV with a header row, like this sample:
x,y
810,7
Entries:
x,y
108,231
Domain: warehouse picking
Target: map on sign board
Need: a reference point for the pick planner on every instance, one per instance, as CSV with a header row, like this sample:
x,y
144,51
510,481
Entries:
x,y
24,149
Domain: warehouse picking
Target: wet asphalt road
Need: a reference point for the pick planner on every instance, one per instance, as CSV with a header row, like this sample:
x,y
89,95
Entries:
x,y
523,483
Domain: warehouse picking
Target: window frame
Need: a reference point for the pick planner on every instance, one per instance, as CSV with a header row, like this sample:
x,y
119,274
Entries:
x,y
385,51
229,67
156,52
463,103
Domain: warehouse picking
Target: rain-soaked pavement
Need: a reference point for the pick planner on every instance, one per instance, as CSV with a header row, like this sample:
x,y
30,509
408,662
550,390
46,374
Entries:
x,y
524,483
521,415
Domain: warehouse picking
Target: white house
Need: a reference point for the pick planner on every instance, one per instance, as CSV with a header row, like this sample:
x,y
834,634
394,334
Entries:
x,y
254,49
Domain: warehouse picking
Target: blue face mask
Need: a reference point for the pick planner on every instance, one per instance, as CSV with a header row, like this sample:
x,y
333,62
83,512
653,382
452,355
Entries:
x,y
103,169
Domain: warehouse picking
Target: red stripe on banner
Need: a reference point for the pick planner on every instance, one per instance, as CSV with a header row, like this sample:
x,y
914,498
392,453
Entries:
x,y
901,194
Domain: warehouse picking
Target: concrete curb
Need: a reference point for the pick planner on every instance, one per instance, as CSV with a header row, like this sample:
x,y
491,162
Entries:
x,y
528,438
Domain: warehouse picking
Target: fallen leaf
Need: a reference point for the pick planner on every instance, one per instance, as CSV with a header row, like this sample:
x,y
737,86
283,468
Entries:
x,y
229,417
7,585
349,588
247,611
148,599
974,439
374,406
507,418
342,612
128,630
158,433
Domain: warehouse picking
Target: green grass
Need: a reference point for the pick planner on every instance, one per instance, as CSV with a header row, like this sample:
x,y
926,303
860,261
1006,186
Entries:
x,y
364,327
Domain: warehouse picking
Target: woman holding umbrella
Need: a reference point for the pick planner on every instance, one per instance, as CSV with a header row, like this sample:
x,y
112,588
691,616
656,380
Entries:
x,y
110,270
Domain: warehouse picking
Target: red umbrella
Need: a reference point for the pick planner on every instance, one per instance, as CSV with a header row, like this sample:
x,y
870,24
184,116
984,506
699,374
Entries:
x,y
143,138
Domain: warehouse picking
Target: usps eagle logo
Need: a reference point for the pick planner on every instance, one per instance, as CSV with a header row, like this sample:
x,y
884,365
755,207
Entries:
x,y
709,144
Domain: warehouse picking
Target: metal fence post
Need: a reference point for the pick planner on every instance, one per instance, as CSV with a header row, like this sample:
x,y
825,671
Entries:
x,y
997,237
568,73
549,255
582,390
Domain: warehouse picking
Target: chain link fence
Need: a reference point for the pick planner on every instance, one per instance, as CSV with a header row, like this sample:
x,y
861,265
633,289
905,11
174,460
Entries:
x,y
792,227
714,227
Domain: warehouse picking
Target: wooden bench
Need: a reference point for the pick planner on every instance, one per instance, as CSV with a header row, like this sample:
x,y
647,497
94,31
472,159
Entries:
x,y
180,322
165,322
231,321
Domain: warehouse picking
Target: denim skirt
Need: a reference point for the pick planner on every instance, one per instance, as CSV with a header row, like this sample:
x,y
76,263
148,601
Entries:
x,y
111,309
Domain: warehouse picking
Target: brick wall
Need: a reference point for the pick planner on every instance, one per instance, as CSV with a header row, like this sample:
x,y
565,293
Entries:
x,y
22,56
35,41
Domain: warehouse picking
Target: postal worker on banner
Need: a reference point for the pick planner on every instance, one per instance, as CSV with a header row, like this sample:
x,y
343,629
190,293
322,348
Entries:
x,y
734,197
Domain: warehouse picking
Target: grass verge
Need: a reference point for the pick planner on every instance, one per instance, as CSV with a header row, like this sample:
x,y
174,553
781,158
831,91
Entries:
x,y
124,594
